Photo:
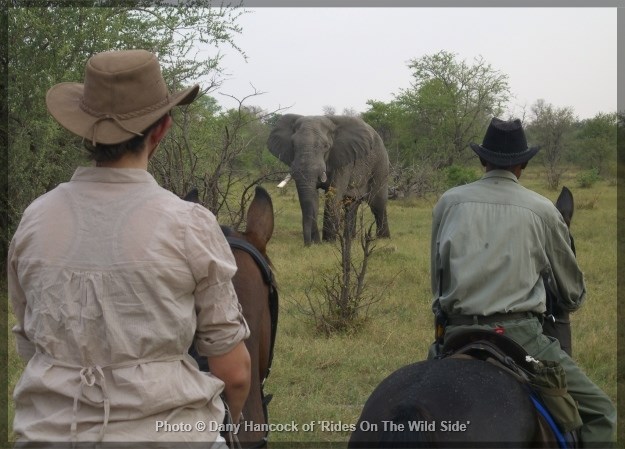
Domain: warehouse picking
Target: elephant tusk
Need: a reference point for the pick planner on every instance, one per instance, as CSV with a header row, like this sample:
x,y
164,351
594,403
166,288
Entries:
x,y
324,177
284,181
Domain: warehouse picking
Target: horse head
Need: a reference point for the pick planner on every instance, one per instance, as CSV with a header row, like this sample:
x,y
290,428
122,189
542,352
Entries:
x,y
557,323
257,293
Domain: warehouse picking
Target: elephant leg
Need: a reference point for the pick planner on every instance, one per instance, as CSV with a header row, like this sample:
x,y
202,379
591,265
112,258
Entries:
x,y
310,230
377,203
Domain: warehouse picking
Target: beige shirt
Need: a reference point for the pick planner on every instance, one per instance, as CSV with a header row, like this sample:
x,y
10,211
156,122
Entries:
x,y
112,278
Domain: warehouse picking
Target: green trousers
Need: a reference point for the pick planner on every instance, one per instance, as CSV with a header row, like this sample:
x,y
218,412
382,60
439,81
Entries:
x,y
595,408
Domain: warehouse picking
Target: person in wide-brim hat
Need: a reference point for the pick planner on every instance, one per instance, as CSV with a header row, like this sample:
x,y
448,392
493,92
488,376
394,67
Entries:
x,y
127,276
505,144
123,94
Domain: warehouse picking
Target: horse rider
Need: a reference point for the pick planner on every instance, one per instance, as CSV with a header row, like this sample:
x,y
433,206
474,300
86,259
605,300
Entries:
x,y
112,278
492,242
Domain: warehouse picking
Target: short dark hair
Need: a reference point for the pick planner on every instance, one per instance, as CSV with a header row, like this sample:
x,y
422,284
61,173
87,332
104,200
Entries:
x,y
109,153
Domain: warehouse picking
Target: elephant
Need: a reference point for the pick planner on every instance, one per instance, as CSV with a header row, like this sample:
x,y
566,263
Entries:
x,y
340,154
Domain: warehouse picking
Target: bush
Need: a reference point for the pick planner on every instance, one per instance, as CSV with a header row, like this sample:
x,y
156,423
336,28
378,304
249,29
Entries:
x,y
588,178
456,175
340,303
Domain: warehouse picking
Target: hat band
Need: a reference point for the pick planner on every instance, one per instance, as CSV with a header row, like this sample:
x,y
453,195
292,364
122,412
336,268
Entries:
x,y
127,115
118,117
506,155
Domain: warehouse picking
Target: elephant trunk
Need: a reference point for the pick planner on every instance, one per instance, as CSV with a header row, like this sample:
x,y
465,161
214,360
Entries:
x,y
309,173
309,202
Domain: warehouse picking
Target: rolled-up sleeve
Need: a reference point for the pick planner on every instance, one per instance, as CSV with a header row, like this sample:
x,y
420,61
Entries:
x,y
564,268
220,322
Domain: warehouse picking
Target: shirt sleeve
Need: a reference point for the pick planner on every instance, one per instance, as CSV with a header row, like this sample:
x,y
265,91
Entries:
x,y
565,272
435,258
25,347
220,322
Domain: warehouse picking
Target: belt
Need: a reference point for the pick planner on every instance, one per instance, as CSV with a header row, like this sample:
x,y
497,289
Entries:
x,y
467,320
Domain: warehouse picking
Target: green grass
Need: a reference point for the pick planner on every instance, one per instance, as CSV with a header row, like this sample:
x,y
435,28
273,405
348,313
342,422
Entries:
x,y
316,379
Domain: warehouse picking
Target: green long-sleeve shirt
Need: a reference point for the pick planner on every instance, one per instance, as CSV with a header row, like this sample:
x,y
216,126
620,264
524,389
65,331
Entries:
x,y
492,240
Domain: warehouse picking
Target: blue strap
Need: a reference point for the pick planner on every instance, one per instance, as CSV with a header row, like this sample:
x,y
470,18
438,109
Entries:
x,y
554,427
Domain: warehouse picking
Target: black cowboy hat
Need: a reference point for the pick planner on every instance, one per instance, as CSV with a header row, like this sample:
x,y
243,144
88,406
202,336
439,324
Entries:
x,y
505,144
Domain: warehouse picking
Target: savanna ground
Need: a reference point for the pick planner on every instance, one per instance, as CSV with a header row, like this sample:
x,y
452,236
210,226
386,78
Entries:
x,y
316,379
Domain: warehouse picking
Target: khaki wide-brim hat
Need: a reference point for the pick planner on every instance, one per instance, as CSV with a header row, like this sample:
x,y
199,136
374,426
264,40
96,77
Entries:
x,y
123,94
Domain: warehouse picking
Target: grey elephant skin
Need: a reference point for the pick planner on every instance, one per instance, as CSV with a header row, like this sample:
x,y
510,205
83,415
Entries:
x,y
340,154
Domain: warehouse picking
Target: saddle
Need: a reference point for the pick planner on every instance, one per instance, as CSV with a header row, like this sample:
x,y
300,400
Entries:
x,y
544,380
493,347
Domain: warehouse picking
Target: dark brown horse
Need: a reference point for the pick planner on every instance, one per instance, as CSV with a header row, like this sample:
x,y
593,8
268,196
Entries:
x,y
258,297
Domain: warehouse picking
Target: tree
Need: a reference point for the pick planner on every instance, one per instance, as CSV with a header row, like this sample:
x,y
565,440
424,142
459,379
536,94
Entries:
x,y
339,304
393,123
452,101
411,172
328,110
429,126
595,144
551,128
51,44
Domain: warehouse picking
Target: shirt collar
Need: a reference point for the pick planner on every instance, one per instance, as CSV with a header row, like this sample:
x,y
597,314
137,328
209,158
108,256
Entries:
x,y
112,175
500,174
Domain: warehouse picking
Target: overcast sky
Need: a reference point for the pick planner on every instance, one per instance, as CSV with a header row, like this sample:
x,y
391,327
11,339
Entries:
x,y
306,58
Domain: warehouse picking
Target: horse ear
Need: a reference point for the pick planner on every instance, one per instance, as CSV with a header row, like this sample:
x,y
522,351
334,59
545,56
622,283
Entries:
x,y
260,217
565,205
353,140
279,142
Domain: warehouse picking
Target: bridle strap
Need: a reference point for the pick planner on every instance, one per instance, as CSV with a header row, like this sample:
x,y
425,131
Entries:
x,y
267,274
268,278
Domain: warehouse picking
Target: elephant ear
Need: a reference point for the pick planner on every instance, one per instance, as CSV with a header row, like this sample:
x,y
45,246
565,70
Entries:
x,y
280,142
352,140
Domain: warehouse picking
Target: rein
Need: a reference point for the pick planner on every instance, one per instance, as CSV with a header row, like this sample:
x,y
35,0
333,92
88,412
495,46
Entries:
x,y
268,278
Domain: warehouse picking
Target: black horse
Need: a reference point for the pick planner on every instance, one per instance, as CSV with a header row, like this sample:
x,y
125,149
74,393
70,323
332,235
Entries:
x,y
448,403
458,402
557,323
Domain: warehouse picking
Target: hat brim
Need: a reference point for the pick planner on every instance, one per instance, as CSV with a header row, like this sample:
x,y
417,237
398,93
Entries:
x,y
504,160
63,102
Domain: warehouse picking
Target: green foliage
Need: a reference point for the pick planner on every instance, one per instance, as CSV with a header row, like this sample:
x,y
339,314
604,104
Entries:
x,y
456,175
429,126
48,45
394,124
452,101
447,107
588,178
221,153
552,129
595,142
